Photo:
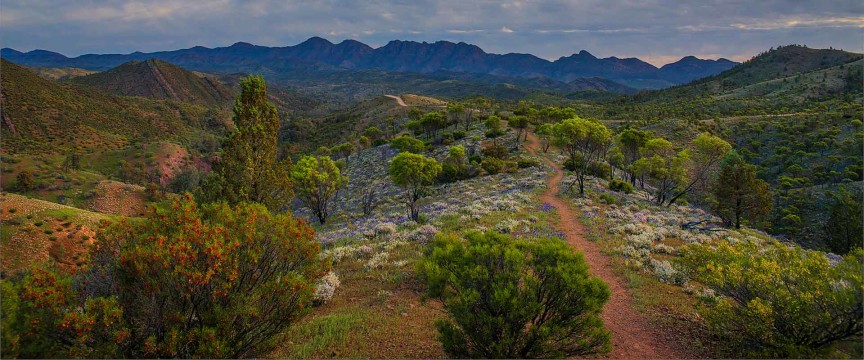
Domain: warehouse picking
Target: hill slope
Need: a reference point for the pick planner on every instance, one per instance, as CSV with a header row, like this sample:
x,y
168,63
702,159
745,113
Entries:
x,y
158,79
39,114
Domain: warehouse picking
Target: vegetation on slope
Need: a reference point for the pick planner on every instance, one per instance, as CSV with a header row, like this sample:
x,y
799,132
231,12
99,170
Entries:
x,y
40,115
157,79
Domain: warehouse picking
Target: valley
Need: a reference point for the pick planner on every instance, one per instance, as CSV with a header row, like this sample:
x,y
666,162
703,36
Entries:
x,y
338,201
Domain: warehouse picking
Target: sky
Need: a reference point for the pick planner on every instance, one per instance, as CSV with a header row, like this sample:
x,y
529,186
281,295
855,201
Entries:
x,y
653,30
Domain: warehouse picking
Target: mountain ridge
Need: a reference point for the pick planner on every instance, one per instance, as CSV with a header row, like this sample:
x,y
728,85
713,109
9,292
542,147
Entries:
x,y
396,55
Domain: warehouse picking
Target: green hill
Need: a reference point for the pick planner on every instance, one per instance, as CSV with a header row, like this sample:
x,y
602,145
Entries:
x,y
158,79
776,64
41,115
786,80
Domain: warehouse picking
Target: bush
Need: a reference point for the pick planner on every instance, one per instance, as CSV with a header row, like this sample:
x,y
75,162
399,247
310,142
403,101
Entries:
x,y
609,199
406,143
25,180
777,300
493,165
514,298
186,181
495,151
243,276
620,186
451,172
459,135
599,170
527,162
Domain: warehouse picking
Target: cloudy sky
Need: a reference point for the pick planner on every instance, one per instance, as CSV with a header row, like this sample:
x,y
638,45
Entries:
x,y
654,30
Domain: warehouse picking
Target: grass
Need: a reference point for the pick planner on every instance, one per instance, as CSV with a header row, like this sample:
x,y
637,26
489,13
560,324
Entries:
x,y
325,335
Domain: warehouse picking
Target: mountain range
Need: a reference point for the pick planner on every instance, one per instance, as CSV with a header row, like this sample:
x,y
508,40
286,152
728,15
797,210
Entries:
x,y
400,56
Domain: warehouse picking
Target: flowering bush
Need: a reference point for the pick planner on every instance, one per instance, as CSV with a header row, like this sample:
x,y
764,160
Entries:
x,y
243,276
776,300
423,234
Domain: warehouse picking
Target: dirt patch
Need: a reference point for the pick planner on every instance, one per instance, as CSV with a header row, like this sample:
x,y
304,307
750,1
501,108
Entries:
x,y
170,160
35,231
113,197
633,336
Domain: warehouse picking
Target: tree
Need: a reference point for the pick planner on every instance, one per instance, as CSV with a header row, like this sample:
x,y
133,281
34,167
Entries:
x,y
215,282
493,126
544,132
704,159
584,142
844,227
249,169
739,193
72,162
457,112
373,133
317,180
515,298
343,150
415,113
665,169
414,173
186,181
25,180
630,141
520,123
406,143
776,300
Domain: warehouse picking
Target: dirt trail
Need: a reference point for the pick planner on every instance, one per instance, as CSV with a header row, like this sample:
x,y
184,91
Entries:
x,y
633,337
398,99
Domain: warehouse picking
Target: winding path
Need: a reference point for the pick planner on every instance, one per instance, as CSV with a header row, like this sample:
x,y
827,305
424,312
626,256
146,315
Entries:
x,y
633,337
398,99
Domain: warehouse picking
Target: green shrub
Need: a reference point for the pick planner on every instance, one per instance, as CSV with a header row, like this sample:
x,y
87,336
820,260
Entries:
x,y
493,165
459,134
777,300
609,199
527,162
514,298
620,186
599,170
496,151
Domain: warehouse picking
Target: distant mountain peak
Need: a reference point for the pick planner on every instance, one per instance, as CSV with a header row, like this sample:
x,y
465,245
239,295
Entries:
x,y
241,44
316,41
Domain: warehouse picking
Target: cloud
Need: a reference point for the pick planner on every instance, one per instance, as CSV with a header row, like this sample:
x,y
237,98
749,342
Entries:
x,y
836,22
651,29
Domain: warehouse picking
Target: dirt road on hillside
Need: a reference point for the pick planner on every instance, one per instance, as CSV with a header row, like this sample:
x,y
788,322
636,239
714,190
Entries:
x,y
398,99
633,336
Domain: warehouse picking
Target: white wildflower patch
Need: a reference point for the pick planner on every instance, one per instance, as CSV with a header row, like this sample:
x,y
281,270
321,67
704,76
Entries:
x,y
378,261
326,287
666,273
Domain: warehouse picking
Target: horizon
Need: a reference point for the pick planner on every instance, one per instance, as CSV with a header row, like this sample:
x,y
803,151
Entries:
x,y
658,65
655,33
